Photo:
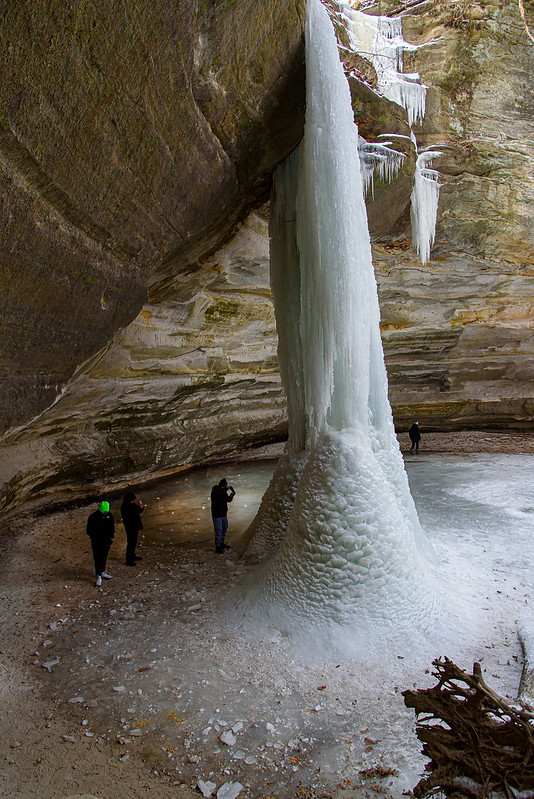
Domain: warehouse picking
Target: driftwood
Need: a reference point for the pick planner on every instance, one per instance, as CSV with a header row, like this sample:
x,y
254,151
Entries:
x,y
479,744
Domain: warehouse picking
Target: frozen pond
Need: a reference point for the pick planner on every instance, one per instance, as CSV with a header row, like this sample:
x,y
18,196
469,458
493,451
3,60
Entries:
x,y
179,508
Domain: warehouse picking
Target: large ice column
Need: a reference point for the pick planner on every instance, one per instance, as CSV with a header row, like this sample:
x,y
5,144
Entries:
x,y
353,553
269,526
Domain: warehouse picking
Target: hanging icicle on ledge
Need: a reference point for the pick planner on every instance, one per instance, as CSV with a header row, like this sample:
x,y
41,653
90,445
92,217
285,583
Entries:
x,y
380,40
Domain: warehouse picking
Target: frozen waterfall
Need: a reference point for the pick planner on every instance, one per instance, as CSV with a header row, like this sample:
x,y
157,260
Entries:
x,y
347,550
380,40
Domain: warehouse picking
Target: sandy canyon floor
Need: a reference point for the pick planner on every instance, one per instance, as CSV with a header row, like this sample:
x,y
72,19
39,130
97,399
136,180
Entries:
x,y
141,688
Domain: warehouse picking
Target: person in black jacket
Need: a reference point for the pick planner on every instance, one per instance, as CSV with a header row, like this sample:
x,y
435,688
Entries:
x,y
415,437
131,510
221,495
101,531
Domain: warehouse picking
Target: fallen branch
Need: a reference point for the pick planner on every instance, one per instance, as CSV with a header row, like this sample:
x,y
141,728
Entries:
x,y
478,743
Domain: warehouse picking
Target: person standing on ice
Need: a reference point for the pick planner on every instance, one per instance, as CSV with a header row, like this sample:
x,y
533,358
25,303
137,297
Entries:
x,y
131,510
415,437
101,531
221,495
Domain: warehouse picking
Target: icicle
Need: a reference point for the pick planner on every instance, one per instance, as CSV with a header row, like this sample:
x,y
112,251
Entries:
x,y
424,204
380,40
378,157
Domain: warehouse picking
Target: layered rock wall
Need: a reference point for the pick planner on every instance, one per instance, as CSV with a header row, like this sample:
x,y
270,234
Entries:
x,y
133,138
458,332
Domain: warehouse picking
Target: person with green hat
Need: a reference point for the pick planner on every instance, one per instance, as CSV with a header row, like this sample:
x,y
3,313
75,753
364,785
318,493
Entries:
x,y
101,531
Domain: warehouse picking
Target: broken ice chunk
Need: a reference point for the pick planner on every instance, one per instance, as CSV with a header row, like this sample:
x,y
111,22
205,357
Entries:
x,y
49,663
206,788
230,790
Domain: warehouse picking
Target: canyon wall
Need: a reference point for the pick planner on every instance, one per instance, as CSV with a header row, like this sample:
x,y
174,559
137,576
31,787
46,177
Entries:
x,y
133,137
131,162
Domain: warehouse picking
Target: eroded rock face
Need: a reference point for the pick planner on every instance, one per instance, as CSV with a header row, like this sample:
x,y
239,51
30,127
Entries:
x,y
193,378
133,137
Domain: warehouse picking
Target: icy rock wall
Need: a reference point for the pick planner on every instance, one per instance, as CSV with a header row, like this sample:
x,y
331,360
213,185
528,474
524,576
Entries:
x,y
380,39
353,548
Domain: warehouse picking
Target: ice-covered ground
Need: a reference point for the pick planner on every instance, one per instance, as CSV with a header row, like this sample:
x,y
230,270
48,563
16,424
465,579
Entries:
x,y
153,662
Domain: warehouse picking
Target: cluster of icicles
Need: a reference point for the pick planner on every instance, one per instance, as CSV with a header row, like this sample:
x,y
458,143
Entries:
x,y
380,40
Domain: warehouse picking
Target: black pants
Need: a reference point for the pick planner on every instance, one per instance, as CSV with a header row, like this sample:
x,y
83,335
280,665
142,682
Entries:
x,y
131,543
100,549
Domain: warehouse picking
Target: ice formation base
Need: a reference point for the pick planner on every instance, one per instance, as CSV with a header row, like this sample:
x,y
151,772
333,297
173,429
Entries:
x,y
348,567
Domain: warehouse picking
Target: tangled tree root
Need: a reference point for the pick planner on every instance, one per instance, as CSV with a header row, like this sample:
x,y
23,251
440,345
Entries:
x,y
479,744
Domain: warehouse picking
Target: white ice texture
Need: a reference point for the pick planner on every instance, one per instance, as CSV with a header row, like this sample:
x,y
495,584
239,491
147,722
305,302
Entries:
x,y
424,204
380,40
378,157
353,554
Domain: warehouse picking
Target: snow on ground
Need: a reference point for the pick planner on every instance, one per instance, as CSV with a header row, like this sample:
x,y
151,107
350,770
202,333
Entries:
x,y
151,666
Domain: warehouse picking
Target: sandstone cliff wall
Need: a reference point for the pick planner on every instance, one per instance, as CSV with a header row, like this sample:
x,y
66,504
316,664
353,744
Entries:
x,y
133,137
458,332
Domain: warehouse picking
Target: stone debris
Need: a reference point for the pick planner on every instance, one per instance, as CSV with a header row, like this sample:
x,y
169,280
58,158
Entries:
x,y
230,790
136,732
206,788
228,738
76,700
124,757
120,689
49,664
69,738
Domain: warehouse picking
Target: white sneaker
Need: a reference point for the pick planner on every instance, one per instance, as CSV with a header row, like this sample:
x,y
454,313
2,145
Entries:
x,y
98,580
106,575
